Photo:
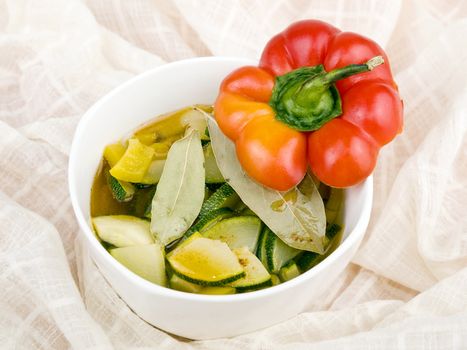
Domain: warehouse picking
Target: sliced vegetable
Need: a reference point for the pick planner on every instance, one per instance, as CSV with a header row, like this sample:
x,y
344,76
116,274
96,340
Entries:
x,y
309,259
173,124
277,253
181,244
163,128
256,276
224,197
180,191
325,192
289,271
213,174
154,172
122,191
113,153
147,261
333,204
275,280
123,230
193,119
237,232
261,247
209,220
224,290
160,150
134,163
207,193
247,212
206,262
141,202
297,216
332,230
184,286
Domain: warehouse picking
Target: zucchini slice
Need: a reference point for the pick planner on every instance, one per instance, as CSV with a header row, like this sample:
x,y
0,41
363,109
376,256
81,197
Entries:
x,y
147,261
333,204
248,212
123,230
160,150
256,276
134,163
185,286
122,191
180,284
206,262
261,247
113,153
217,290
237,232
224,197
213,174
193,119
277,253
275,280
289,271
154,172
209,220
309,259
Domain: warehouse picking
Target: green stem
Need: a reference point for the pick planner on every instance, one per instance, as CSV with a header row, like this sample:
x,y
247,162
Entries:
x,y
352,69
306,98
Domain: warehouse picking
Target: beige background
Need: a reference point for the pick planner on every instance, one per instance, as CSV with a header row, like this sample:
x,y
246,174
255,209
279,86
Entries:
x,y
407,286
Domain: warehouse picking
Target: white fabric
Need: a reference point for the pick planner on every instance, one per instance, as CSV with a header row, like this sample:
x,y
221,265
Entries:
x,y
407,286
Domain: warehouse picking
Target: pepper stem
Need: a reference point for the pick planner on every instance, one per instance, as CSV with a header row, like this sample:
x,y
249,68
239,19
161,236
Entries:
x,y
351,69
306,98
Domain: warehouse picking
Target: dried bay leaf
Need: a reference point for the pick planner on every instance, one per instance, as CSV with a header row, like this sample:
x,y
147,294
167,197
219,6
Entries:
x,y
297,216
180,191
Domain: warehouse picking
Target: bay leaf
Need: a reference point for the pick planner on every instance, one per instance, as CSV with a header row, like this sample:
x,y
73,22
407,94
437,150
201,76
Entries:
x,y
180,191
297,216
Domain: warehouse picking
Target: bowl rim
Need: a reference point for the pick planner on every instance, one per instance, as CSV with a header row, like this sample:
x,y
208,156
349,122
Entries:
x,y
150,287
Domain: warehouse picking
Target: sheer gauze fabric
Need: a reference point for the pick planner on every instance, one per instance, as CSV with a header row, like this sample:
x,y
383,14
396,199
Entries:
x,y
406,287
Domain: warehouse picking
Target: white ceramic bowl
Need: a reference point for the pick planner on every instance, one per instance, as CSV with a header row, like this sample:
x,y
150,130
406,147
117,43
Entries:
x,y
152,93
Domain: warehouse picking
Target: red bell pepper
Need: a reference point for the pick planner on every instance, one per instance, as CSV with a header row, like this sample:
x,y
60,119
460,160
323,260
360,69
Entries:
x,y
320,98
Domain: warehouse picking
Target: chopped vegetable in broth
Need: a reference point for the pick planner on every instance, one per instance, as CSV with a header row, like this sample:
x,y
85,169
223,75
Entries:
x,y
161,206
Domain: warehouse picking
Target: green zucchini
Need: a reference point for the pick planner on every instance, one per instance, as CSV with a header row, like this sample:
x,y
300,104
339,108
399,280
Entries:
x,y
332,230
180,284
147,261
277,253
122,191
289,271
154,172
224,197
141,202
207,193
195,120
209,220
237,232
123,230
309,259
212,172
148,209
261,247
220,290
333,204
248,212
205,262
256,276
275,280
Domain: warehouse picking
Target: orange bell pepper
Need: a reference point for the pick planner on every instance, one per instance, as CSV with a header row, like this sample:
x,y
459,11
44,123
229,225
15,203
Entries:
x,y
319,98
